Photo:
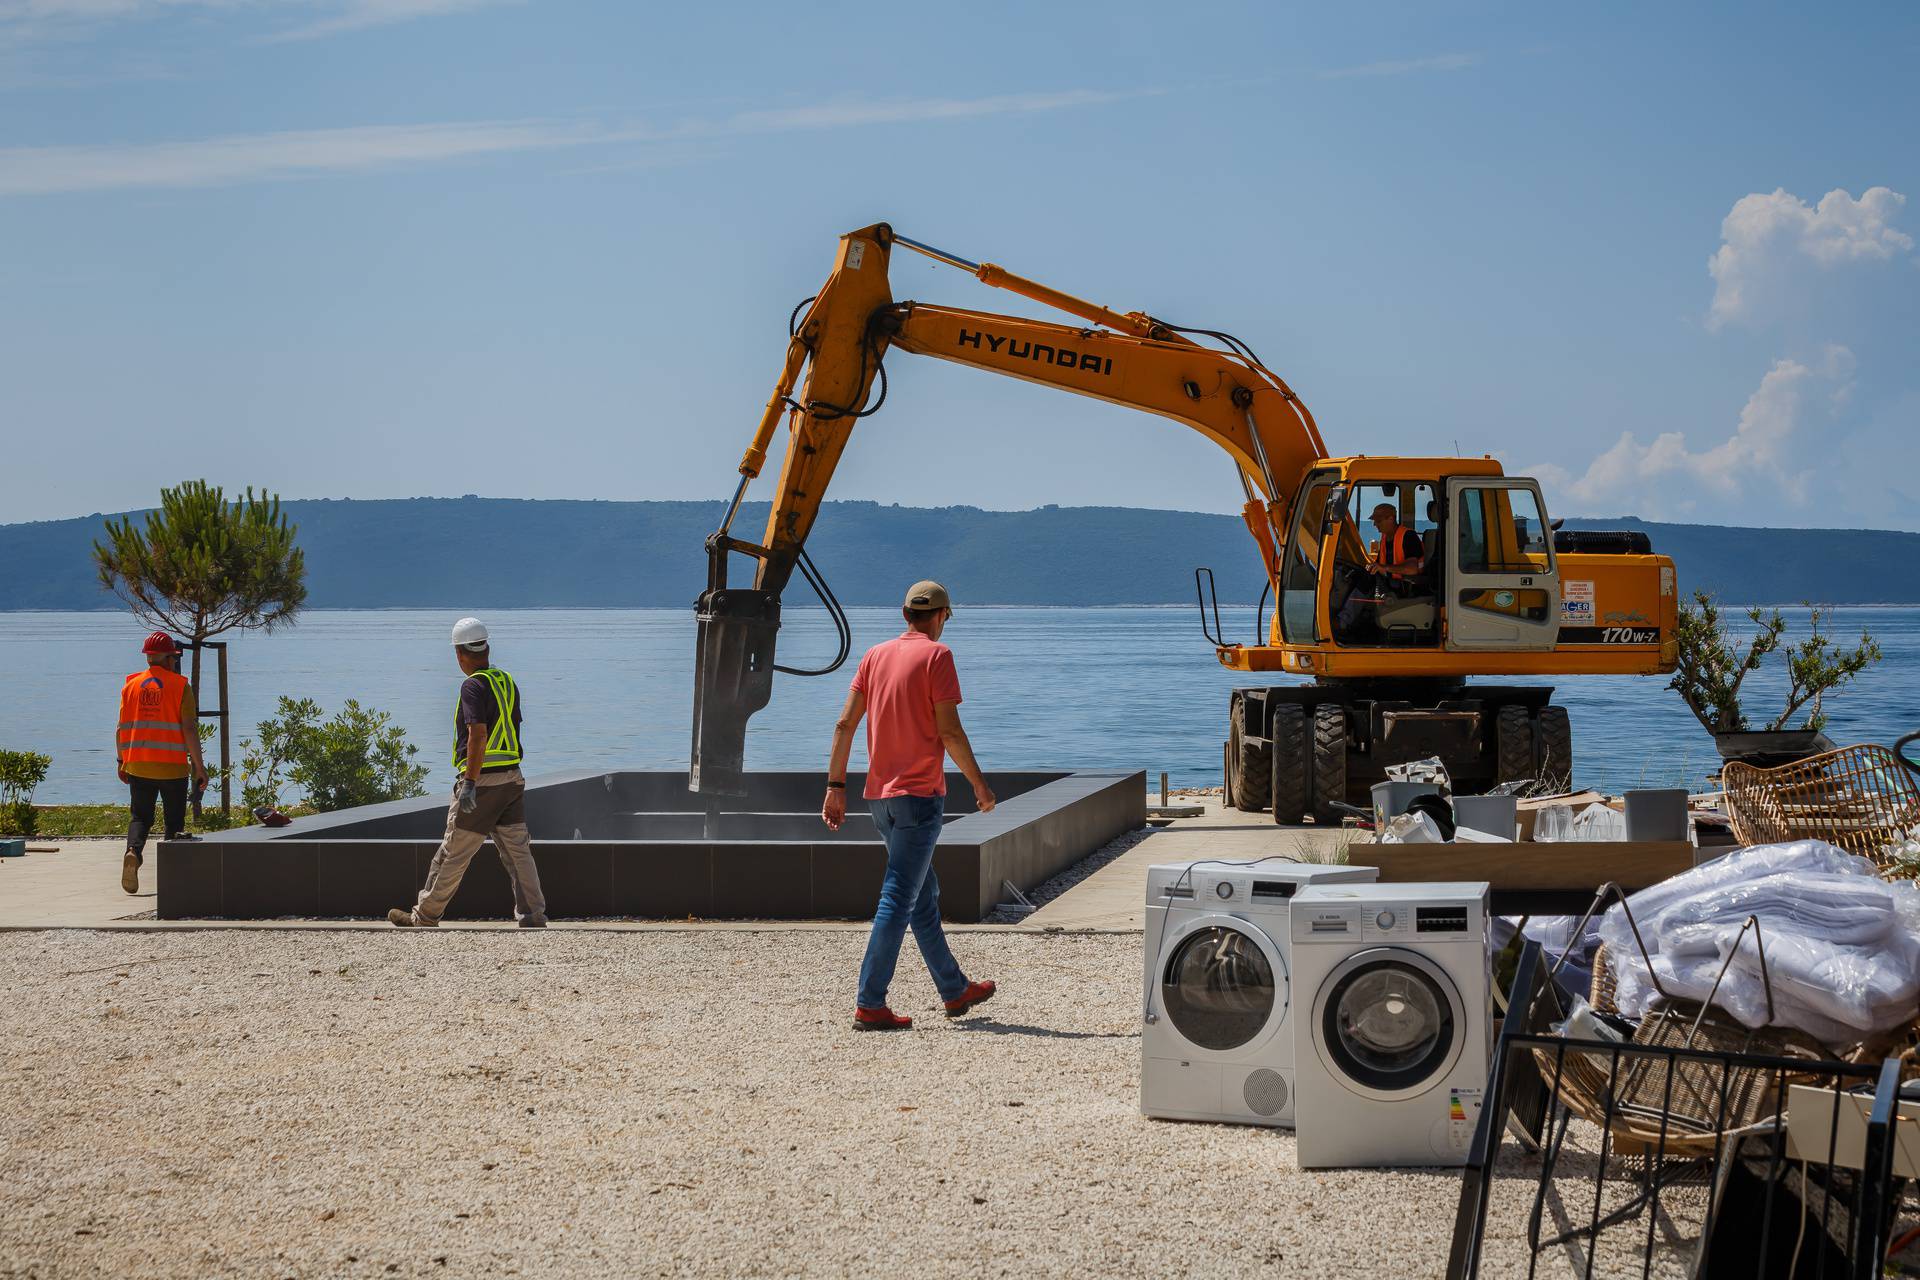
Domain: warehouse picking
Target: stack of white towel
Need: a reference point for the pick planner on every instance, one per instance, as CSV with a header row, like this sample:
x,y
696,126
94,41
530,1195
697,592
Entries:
x,y
1842,946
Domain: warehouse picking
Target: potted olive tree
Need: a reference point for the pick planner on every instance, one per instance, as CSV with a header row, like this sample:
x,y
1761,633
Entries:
x,y
1712,666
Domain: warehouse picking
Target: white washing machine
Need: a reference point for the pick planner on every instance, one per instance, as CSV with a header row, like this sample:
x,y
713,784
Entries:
x,y
1217,1038
1392,983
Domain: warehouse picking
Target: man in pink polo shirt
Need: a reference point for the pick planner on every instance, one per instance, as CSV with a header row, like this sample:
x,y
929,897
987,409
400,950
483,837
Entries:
x,y
909,693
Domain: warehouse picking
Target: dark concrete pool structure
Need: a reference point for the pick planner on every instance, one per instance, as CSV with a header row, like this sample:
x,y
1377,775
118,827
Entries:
x,y
631,844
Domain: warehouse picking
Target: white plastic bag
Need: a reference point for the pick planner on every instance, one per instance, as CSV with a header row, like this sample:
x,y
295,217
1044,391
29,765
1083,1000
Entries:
x,y
1412,828
1582,1023
1842,954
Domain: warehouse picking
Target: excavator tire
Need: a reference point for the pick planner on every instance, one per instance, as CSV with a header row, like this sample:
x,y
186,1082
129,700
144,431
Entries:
x,y
1513,745
1329,762
1553,737
1291,764
1252,780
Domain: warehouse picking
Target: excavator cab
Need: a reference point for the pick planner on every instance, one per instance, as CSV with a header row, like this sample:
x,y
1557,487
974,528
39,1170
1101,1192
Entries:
x,y
1487,576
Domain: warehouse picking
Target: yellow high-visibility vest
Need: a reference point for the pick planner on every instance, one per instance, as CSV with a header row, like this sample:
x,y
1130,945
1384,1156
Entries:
x,y
503,740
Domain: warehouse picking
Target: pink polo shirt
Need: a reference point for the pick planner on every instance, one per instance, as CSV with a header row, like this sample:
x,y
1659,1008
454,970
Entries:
x,y
903,679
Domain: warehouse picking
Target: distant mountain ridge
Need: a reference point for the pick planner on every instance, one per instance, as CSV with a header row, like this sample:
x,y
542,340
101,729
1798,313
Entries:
x,y
480,553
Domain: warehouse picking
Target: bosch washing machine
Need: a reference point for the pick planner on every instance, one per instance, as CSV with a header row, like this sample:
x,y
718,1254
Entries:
x,y
1217,1041
1392,983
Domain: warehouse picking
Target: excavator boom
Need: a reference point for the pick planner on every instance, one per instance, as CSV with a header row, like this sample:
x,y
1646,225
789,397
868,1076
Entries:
x,y
839,345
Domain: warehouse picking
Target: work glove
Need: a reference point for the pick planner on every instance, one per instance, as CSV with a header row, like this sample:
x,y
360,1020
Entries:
x,y
467,794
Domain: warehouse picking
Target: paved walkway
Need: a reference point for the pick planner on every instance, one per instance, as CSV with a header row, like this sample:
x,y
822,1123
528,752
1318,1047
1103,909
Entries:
x,y
1114,897
76,885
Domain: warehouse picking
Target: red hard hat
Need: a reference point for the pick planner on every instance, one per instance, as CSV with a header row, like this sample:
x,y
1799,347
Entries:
x,y
159,642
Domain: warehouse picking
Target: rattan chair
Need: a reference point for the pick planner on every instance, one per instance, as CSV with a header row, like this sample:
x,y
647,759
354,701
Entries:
x,y
1668,1108
1865,799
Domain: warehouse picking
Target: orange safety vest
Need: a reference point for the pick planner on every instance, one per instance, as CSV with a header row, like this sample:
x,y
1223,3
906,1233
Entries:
x,y
150,730
1392,550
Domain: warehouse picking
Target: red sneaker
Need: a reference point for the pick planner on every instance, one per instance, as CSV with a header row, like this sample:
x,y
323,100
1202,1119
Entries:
x,y
976,993
881,1019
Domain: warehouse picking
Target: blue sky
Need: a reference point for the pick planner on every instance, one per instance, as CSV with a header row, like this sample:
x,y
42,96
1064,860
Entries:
x,y
1663,256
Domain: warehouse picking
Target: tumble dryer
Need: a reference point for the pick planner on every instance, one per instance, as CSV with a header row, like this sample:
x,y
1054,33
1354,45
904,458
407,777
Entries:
x,y
1217,1040
1392,983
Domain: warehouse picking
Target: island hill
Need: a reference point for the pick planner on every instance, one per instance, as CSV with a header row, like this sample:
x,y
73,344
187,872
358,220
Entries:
x,y
481,553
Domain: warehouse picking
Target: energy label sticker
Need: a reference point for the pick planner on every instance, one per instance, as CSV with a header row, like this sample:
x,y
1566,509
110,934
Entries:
x,y
1576,603
1463,1115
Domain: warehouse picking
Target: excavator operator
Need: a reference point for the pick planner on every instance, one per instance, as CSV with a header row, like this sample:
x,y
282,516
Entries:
x,y
1400,555
1394,570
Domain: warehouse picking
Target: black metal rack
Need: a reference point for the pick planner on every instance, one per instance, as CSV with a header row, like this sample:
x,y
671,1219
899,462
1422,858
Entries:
x,y
1777,1197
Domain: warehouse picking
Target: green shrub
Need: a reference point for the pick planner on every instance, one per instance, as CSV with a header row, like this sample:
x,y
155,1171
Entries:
x,y
358,757
1712,666
20,773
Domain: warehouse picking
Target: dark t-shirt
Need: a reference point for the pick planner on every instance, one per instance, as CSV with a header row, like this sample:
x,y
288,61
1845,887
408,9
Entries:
x,y
478,706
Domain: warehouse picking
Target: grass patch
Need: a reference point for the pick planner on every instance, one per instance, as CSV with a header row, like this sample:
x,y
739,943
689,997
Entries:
x,y
69,821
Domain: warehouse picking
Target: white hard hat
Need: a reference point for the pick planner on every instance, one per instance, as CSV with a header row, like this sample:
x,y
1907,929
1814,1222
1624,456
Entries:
x,y
470,633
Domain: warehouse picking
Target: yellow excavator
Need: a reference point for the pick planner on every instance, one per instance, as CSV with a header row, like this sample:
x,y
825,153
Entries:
x,y
1383,654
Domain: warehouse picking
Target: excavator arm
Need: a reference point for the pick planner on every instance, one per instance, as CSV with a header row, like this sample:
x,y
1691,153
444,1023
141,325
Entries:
x,y
839,346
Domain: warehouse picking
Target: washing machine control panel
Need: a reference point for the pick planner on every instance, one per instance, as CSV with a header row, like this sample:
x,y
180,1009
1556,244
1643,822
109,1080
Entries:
x,y
1355,921
1330,917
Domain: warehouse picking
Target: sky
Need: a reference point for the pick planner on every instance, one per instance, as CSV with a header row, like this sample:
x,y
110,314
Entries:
x,y
1663,257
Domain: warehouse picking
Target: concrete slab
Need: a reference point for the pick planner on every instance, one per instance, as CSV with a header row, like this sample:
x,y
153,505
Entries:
x,y
1114,897
631,844
76,884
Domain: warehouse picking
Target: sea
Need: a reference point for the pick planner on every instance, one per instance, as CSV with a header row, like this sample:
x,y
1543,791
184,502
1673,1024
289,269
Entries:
x,y
1130,688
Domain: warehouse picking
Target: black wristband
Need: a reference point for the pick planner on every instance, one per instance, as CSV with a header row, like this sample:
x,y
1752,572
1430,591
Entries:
x,y
832,785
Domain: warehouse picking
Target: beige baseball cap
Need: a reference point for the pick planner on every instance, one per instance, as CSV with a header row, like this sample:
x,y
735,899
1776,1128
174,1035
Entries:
x,y
928,595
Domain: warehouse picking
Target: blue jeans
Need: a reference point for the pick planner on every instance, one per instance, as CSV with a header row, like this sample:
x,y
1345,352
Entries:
x,y
910,896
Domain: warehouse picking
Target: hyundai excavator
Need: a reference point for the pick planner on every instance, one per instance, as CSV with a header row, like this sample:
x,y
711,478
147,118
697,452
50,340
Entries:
x,y
1380,662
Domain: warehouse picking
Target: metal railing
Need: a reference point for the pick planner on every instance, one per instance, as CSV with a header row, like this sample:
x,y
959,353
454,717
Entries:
x,y
1809,1186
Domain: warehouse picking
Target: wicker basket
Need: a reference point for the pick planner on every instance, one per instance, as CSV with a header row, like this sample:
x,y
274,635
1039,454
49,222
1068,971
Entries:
x,y
1863,798
1684,1109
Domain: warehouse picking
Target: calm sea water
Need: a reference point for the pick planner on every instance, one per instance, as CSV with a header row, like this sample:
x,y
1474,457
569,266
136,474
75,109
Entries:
x,y
1115,688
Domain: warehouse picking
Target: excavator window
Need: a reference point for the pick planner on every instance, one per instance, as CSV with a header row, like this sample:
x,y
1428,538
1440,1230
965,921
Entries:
x,y
1300,573
1371,607
1502,531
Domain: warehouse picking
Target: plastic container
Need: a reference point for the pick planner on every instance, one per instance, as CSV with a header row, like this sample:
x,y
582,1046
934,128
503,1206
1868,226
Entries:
x,y
1495,815
1390,799
1657,814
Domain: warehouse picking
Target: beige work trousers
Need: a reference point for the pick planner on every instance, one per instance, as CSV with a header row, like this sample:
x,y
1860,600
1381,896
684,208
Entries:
x,y
500,813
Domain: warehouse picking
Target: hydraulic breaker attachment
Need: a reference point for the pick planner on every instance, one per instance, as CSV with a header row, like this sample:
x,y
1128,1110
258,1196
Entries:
x,y
733,675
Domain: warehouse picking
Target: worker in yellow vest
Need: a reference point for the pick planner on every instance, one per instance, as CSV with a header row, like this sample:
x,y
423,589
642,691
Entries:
x,y
156,748
489,794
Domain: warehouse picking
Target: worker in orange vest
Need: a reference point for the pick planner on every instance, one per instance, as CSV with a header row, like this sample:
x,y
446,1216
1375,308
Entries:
x,y
156,747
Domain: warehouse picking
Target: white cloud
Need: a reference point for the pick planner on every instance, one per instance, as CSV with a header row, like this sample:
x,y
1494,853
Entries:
x,y
28,21
1405,66
357,15
1767,239
1769,444
261,157
264,156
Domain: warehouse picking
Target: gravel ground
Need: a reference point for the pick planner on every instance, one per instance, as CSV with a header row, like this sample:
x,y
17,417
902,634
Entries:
x,y
573,1103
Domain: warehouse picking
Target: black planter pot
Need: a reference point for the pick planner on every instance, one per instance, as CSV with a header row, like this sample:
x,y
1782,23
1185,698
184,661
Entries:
x,y
1769,748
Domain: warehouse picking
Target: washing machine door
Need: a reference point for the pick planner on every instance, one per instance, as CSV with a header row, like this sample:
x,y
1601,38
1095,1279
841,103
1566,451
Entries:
x,y
1388,1023
1221,984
